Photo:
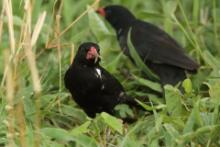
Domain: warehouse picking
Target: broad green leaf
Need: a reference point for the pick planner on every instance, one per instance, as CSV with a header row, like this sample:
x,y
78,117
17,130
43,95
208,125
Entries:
x,y
152,85
81,129
214,90
154,136
85,141
170,7
211,60
57,133
190,122
171,135
131,141
173,100
150,108
187,85
146,107
124,110
97,25
113,122
202,130
74,112
193,119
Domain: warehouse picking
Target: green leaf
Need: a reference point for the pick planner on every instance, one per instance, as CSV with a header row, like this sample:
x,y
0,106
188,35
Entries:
x,y
114,123
81,129
152,85
187,85
170,7
57,133
171,134
97,25
190,122
214,90
211,60
146,107
150,108
173,100
152,14
193,119
138,61
202,130
85,141
124,110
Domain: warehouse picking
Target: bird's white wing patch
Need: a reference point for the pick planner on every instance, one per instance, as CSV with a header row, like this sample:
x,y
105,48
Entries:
x,y
98,73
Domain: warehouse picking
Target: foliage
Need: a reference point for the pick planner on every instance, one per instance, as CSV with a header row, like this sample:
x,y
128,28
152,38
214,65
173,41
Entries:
x,y
189,119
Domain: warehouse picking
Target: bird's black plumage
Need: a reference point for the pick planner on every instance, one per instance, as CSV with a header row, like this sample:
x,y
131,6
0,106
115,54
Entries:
x,y
93,88
161,53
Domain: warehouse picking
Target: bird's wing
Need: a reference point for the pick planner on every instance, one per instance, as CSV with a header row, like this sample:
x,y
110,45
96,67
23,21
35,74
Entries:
x,y
155,45
114,87
111,84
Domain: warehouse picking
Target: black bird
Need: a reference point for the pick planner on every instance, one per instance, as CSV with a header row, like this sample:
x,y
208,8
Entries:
x,y
92,87
158,50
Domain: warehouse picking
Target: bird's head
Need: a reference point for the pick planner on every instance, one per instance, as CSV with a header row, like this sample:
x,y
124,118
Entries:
x,y
118,16
88,54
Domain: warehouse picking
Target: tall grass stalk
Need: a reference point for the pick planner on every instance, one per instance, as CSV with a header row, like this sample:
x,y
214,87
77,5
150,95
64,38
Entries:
x,y
214,15
8,9
20,121
1,21
196,8
10,101
189,27
71,53
28,42
58,42
9,73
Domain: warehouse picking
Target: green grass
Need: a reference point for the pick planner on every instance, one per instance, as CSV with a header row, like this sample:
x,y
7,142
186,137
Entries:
x,y
36,109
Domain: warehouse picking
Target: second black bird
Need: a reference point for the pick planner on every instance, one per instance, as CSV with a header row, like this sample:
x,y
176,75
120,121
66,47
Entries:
x,y
160,52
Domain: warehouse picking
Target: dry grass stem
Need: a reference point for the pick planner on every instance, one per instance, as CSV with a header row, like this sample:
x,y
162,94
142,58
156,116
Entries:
x,y
72,53
72,24
9,99
20,119
31,58
38,28
58,42
1,22
79,17
8,10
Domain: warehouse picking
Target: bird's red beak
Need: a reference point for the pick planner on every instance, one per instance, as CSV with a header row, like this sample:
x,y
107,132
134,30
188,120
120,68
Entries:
x,y
92,54
101,11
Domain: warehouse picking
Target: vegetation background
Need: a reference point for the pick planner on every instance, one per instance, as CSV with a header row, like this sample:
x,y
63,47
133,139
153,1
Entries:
x,y
38,40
